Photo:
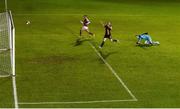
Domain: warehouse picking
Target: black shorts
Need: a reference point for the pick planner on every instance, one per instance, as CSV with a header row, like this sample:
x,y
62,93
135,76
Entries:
x,y
108,36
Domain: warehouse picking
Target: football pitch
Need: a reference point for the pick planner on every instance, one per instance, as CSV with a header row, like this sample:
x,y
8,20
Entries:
x,y
54,70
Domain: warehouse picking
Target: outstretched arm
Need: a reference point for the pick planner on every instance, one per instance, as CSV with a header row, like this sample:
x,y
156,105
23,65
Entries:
x,y
138,41
102,23
88,22
81,21
110,26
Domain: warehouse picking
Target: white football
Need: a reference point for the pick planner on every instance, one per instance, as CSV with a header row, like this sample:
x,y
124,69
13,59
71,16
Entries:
x,y
28,22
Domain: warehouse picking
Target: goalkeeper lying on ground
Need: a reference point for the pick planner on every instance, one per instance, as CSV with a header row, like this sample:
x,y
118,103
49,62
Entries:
x,y
147,39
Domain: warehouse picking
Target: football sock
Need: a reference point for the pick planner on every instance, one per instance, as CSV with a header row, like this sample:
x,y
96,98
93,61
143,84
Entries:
x,y
114,40
102,44
91,33
80,32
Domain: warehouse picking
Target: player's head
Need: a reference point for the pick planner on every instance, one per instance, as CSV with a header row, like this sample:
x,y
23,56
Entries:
x,y
146,33
108,23
85,17
138,36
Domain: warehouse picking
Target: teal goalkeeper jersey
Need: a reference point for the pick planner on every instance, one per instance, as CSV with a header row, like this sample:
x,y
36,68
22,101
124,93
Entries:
x,y
144,37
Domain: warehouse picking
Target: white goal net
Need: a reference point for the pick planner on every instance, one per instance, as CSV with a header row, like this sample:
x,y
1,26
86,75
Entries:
x,y
7,30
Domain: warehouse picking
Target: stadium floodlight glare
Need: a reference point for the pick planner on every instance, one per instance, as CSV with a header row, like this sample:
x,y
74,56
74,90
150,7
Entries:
x,y
7,45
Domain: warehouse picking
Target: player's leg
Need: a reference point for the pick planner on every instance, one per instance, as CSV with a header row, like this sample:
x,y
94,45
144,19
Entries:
x,y
102,44
113,40
87,30
149,40
156,43
90,33
80,32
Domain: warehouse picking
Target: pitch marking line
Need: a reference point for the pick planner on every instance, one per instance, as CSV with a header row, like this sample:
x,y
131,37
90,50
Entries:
x,y
15,92
113,72
70,14
76,102
95,101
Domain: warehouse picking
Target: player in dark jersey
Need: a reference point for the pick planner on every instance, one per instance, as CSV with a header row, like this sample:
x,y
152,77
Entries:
x,y
85,24
108,28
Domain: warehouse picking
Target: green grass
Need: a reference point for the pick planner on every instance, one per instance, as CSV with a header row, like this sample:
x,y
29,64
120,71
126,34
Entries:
x,y
50,68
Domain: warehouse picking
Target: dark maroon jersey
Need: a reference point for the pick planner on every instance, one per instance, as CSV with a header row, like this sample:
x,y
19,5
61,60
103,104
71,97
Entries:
x,y
108,30
86,22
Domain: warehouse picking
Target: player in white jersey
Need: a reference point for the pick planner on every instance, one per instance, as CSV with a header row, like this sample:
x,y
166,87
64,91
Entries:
x,y
85,24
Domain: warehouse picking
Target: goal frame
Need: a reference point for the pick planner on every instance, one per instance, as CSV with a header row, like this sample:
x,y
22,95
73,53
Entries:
x,y
11,41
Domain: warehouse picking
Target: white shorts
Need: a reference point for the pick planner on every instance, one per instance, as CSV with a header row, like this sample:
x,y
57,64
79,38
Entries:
x,y
85,28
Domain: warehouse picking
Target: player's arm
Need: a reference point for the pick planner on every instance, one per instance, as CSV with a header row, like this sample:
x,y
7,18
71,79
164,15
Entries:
x,y
102,23
88,22
139,40
81,22
109,26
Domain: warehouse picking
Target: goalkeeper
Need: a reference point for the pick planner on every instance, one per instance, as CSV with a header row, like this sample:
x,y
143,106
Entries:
x,y
147,38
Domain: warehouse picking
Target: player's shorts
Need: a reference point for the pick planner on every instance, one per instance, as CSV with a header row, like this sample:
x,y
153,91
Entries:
x,y
108,36
85,28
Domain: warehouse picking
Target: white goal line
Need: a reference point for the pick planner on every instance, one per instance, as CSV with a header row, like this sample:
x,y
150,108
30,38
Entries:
x,y
76,102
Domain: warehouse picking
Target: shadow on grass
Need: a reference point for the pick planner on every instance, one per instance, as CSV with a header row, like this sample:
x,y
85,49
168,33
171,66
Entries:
x,y
144,45
80,41
106,55
61,59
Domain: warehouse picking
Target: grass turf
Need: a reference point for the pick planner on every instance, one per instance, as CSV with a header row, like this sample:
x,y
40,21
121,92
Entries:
x,y
52,68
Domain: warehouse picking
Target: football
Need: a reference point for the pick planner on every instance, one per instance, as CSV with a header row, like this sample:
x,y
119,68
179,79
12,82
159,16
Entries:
x,y
28,22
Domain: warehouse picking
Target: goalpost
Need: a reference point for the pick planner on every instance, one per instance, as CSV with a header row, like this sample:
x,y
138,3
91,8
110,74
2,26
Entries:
x,y
7,45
